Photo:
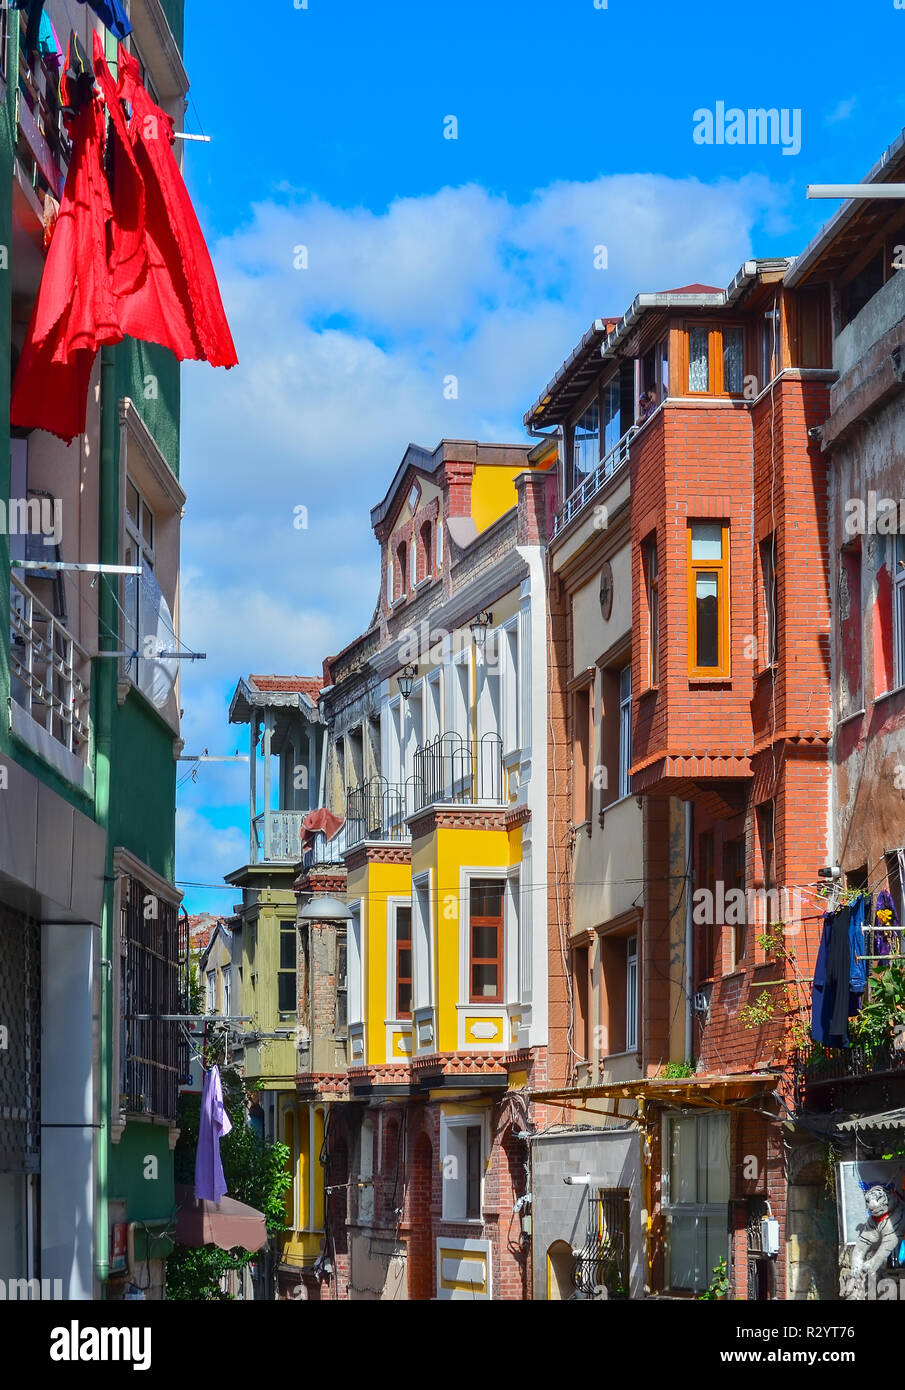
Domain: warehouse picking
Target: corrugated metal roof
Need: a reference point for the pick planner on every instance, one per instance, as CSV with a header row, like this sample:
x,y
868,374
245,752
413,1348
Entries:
x,y
883,1119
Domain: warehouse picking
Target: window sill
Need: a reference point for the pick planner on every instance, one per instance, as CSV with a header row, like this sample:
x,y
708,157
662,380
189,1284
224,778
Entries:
x,y
649,690
855,714
766,671
888,694
724,679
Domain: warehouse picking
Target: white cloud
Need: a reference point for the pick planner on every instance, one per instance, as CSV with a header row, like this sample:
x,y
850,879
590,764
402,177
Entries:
x,y
841,111
342,365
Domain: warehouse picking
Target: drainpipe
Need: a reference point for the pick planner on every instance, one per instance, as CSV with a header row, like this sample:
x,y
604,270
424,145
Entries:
x,y
104,684
689,934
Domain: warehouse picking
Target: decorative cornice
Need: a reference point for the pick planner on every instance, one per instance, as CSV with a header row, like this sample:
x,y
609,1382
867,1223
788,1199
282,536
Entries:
x,y
374,853
321,880
437,817
520,815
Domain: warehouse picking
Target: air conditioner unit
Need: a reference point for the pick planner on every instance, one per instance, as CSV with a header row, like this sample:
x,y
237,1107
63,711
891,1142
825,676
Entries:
x,y
701,1002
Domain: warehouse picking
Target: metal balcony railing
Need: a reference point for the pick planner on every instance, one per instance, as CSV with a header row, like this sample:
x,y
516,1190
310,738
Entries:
x,y
277,837
824,1065
325,851
592,484
50,671
377,809
461,770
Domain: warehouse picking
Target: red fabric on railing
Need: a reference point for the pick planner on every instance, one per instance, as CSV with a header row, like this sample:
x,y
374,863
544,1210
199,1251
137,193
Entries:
x,y
75,311
321,820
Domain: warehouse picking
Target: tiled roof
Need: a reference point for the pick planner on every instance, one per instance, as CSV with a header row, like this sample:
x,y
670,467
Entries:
x,y
303,685
695,289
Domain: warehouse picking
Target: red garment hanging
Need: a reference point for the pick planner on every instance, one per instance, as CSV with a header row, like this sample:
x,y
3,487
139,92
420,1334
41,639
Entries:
x,y
75,310
179,302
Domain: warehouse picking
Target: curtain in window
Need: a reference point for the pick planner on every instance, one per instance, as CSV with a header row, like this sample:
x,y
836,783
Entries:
x,y
733,360
698,359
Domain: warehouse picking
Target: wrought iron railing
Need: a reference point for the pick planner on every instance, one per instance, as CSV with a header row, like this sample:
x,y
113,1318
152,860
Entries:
x,y
50,671
377,809
285,840
592,484
822,1065
601,1268
461,770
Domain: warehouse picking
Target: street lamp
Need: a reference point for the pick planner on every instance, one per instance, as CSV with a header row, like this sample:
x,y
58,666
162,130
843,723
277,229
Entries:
x,y
407,680
480,624
325,909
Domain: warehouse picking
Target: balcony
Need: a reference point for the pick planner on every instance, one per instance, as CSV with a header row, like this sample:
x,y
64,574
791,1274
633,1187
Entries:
x,y
326,852
461,771
43,145
277,837
829,1066
50,686
607,467
377,810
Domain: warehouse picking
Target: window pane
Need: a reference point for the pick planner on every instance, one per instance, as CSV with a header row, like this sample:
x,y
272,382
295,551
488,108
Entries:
x,y
733,359
287,949
404,1003
707,621
404,967
713,1159
484,982
611,416
682,1160
486,897
699,359
132,502
625,683
472,1172
586,441
403,924
286,1000
484,943
706,541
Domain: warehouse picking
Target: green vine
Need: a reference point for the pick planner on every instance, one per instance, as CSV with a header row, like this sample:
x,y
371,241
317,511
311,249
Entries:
x,y
719,1285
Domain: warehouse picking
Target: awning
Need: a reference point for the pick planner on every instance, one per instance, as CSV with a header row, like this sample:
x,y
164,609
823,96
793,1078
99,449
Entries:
x,y
710,1092
884,1119
227,1223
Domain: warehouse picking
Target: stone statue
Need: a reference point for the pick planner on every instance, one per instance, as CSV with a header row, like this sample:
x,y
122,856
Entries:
x,y
878,1238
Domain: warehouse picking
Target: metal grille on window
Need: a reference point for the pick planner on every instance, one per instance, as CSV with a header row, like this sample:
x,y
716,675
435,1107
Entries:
x,y
20,1016
601,1269
150,989
758,1263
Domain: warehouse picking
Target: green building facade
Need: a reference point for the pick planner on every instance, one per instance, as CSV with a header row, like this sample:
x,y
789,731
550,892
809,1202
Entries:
x,y
89,913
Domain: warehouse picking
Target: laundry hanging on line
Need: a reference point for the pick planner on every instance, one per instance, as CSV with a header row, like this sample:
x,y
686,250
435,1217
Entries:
x,y
839,973
150,278
210,1184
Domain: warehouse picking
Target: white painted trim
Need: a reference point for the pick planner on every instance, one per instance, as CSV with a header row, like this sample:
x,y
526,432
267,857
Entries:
x,y
391,1023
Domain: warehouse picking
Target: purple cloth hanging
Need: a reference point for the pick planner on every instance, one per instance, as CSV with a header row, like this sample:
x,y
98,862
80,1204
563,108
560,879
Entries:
x,y
210,1184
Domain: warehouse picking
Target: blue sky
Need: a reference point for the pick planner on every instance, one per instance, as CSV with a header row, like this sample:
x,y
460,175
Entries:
x,y
429,256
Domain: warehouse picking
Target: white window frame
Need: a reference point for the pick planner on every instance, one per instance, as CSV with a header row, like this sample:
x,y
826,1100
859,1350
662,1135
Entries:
x,y
625,732
453,1165
422,943
355,966
631,993
509,640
